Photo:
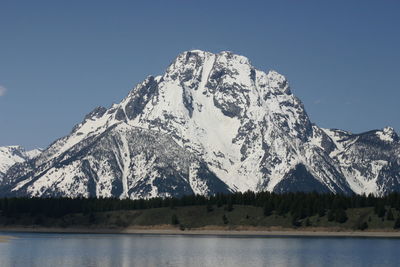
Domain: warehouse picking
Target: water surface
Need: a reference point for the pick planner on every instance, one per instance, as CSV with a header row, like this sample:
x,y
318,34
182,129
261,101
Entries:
x,y
37,249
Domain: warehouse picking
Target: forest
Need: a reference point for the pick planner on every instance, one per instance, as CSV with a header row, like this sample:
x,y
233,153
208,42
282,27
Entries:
x,y
299,207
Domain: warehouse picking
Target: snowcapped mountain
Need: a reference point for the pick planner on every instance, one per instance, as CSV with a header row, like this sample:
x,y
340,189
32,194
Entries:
x,y
370,161
9,155
211,123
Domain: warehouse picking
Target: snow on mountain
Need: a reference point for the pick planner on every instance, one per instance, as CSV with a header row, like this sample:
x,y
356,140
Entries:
x,y
211,123
9,155
370,161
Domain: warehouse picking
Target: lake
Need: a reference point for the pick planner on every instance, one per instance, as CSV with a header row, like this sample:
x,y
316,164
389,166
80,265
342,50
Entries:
x,y
37,249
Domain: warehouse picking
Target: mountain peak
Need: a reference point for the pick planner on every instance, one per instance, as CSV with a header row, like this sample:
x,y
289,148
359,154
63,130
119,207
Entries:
x,y
225,68
388,134
200,54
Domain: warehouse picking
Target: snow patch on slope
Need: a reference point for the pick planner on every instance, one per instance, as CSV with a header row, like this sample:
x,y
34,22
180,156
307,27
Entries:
x,y
9,155
387,134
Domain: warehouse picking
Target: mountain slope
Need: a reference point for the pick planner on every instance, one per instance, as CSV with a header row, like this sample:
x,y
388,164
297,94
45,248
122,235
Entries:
x,y
9,155
233,128
370,161
123,161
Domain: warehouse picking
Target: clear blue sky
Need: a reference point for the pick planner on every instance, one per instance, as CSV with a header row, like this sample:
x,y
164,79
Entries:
x,y
60,59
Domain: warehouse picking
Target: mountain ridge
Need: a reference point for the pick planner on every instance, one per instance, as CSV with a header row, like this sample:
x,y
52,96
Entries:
x,y
9,155
243,126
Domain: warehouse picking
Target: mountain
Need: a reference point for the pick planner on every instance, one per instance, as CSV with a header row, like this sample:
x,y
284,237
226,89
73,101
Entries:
x,y
370,161
9,155
211,123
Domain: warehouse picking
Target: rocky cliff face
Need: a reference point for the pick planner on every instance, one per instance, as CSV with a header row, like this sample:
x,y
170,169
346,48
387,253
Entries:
x,y
212,123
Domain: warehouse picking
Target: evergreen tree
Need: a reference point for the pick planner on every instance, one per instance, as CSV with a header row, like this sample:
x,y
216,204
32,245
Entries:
x,y
225,219
209,207
331,215
389,215
380,209
282,208
397,223
172,204
340,216
296,222
219,203
268,208
229,206
321,212
319,208
174,219
362,226
92,218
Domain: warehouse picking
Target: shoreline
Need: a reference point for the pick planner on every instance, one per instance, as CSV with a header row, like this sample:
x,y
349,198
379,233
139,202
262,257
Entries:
x,y
207,231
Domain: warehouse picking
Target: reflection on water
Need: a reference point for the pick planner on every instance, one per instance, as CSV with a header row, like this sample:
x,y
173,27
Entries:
x,y
161,250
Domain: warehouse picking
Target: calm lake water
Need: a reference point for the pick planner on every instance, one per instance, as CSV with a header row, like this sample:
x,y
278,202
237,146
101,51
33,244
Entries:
x,y
159,250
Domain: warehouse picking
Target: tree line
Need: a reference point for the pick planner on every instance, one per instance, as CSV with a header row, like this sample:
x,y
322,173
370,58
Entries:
x,y
299,205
